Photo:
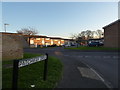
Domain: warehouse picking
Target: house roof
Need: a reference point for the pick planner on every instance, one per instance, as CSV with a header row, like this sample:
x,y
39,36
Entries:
x,y
111,23
55,37
36,36
7,33
58,38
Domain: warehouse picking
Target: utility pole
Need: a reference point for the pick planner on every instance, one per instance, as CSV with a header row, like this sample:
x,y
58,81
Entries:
x,y
5,26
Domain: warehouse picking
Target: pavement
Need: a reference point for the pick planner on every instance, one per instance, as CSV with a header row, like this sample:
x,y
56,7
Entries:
x,y
85,69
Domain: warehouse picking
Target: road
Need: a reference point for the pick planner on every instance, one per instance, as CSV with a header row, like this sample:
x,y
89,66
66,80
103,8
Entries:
x,y
79,64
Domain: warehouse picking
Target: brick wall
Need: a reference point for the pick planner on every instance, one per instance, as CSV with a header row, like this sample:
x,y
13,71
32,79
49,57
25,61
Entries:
x,y
12,47
112,35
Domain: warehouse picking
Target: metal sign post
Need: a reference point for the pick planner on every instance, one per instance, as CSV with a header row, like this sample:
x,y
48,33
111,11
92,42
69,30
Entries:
x,y
15,75
21,63
45,68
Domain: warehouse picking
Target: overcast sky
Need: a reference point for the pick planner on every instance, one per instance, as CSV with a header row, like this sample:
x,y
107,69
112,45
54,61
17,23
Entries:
x,y
59,18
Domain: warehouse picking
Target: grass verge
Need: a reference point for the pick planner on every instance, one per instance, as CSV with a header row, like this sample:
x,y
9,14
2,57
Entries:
x,y
92,48
33,74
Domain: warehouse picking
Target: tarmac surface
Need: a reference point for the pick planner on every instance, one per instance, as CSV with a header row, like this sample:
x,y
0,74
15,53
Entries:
x,y
85,69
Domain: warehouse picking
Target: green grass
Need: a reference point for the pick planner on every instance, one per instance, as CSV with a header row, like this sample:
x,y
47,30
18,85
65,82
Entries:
x,y
91,48
33,74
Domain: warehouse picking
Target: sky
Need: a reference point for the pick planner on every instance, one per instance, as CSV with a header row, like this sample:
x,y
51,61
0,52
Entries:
x,y
59,19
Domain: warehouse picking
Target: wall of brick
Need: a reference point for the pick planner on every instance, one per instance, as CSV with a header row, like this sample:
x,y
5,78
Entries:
x,y
12,47
25,42
112,35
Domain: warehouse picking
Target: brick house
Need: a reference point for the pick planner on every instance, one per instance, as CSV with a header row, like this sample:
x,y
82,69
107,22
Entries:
x,y
44,40
35,40
56,40
112,34
38,40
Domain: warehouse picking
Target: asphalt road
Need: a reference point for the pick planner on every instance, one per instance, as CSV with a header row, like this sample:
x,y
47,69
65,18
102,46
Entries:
x,y
85,69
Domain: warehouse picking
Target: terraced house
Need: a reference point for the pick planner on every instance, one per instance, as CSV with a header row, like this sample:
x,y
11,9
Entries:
x,y
112,34
38,40
45,41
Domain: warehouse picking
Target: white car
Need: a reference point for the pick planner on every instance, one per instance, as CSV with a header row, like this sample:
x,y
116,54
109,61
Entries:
x,y
67,45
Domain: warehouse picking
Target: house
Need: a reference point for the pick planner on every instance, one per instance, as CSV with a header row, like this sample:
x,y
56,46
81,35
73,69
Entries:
x,y
57,41
40,41
45,41
69,42
112,34
35,40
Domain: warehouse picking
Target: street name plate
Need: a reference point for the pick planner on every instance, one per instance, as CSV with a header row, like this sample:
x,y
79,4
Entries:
x,y
25,62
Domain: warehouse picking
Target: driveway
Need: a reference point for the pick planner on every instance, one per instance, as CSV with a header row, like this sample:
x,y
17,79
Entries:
x,y
85,69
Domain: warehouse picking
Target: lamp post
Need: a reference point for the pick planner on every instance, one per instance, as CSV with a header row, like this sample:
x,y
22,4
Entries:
x,y
5,26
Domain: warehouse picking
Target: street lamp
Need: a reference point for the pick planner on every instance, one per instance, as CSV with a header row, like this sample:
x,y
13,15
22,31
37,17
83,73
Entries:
x,y
5,26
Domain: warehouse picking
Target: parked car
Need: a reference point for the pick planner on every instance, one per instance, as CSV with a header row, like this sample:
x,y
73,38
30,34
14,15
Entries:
x,y
66,45
95,44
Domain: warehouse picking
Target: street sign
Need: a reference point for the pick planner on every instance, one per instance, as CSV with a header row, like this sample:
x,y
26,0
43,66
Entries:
x,y
25,62
21,63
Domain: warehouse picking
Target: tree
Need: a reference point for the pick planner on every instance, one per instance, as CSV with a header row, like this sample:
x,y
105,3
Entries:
x,y
99,33
27,31
73,36
86,34
89,34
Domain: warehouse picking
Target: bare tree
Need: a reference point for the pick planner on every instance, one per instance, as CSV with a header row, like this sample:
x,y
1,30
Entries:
x,y
99,33
73,36
89,34
27,31
86,35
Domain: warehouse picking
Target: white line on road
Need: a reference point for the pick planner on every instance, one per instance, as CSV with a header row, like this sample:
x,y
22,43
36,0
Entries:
x,y
97,56
115,57
80,56
97,74
87,56
104,57
108,84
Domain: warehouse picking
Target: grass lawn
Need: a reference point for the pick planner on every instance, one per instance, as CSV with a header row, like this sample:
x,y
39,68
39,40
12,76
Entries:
x,y
33,74
92,48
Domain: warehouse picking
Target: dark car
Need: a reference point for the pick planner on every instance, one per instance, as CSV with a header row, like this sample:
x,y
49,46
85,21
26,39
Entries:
x,y
95,44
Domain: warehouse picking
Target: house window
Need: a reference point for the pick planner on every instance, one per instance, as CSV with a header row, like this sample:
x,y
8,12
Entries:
x,y
55,40
51,42
37,38
31,41
47,38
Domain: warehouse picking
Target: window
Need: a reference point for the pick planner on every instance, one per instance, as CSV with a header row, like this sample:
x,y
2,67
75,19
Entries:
x,y
47,38
37,38
31,41
55,40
